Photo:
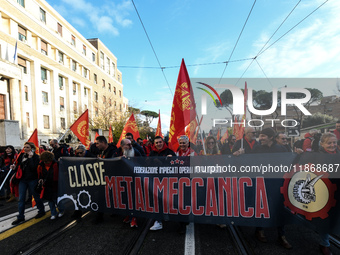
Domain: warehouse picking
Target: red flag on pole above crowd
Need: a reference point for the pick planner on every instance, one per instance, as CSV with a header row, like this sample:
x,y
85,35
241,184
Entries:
x,y
110,135
225,136
130,127
159,125
34,139
80,128
183,107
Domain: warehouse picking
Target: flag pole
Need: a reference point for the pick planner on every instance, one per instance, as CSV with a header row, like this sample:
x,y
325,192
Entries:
x,y
59,139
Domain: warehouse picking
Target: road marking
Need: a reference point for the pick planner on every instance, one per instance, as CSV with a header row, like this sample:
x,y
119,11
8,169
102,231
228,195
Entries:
x,y
189,248
23,226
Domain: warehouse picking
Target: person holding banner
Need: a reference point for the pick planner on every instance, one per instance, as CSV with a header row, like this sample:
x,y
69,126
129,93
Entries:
x,y
184,148
211,147
26,172
328,144
268,145
48,173
106,150
135,145
228,146
247,143
160,149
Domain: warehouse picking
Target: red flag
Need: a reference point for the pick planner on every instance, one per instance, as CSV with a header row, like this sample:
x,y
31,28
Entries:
x,y
110,135
218,137
34,139
95,137
225,136
81,128
130,127
159,126
183,107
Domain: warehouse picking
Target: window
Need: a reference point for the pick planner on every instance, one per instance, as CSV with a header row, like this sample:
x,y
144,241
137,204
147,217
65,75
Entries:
x,y
93,57
61,82
62,123
45,97
96,96
85,71
60,57
110,102
96,111
114,90
43,47
84,49
103,83
42,15
104,99
22,64
120,93
75,107
74,65
28,119
43,74
73,40
113,69
102,60
119,78
109,87
22,34
46,122
74,88
60,29
95,78
108,65
62,106
120,107
85,92
21,2
26,93
115,105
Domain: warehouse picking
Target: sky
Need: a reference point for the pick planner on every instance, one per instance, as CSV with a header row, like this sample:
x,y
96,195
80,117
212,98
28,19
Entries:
x,y
207,34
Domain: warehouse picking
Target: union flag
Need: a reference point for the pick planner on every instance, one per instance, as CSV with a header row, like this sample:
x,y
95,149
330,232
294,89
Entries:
x,y
159,126
81,128
225,136
183,107
110,135
95,137
130,127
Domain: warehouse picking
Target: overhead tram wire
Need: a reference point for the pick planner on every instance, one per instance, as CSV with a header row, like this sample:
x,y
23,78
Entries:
x,y
146,33
244,25
283,36
202,64
269,40
293,27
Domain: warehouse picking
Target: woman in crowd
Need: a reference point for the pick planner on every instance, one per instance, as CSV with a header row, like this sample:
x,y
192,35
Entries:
x,y
8,158
48,172
211,147
27,174
328,145
184,149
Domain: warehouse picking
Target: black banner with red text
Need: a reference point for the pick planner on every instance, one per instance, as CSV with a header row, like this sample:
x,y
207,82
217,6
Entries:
x,y
251,190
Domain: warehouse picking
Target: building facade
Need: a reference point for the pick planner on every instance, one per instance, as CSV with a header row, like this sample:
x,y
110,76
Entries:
x,y
49,73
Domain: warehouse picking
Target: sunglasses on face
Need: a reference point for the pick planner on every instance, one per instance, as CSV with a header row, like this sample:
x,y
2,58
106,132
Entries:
x,y
79,153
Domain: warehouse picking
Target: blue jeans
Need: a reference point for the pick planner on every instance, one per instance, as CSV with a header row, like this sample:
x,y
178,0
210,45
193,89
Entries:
x,y
52,205
23,186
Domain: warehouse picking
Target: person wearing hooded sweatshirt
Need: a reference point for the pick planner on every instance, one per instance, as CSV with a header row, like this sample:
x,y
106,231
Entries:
x,y
160,149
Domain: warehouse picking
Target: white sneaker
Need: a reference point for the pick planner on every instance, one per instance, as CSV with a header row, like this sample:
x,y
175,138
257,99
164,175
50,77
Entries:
x,y
157,225
53,217
61,214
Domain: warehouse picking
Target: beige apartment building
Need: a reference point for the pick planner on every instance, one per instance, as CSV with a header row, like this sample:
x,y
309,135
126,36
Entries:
x,y
50,74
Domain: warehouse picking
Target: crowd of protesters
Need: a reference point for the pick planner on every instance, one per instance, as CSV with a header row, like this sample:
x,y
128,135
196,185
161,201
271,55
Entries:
x,y
39,174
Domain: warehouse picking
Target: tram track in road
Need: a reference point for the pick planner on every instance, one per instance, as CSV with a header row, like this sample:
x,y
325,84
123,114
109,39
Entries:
x,y
34,247
239,241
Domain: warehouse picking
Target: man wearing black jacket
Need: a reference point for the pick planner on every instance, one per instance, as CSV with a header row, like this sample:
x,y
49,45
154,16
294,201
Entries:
x,y
106,150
